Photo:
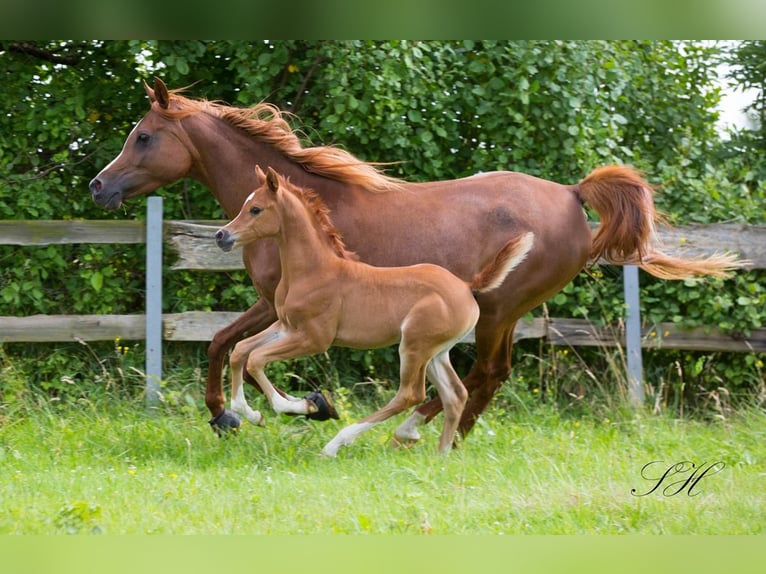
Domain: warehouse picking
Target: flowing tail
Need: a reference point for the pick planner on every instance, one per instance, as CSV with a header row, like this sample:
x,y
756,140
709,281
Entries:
x,y
507,259
625,236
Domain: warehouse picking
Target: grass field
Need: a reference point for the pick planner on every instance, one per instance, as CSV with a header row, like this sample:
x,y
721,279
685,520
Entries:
x,y
116,469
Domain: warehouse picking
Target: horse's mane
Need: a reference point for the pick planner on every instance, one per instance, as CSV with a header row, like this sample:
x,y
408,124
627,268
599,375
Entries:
x,y
269,124
321,213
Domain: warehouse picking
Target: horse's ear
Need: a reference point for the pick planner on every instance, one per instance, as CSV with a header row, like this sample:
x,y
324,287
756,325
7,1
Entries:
x,y
161,94
272,180
149,92
259,174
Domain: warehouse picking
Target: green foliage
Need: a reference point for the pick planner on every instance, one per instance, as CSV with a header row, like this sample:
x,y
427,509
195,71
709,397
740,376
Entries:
x,y
79,517
437,110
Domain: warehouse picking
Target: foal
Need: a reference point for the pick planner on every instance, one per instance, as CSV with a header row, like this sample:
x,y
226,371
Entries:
x,y
326,297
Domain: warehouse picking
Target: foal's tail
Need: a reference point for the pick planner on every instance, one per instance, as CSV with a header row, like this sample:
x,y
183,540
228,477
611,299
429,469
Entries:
x,y
507,259
625,203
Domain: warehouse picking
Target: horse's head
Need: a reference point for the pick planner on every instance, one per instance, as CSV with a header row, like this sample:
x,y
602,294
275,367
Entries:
x,y
156,152
258,217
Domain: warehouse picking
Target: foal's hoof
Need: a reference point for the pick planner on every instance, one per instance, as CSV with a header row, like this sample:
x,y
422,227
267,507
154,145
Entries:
x,y
325,409
403,442
225,423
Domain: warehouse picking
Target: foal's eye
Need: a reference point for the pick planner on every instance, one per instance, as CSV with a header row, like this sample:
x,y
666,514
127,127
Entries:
x,y
255,210
143,138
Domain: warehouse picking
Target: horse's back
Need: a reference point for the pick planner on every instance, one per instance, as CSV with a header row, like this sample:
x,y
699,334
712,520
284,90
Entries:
x,y
379,302
484,211
461,224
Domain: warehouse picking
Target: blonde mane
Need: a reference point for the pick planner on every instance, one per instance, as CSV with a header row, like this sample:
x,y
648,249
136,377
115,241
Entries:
x,y
269,124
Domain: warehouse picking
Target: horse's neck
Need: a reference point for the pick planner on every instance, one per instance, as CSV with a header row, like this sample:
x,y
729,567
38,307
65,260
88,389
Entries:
x,y
304,247
227,158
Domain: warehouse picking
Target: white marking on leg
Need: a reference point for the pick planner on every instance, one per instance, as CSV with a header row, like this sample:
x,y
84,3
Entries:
x,y
239,405
408,430
453,396
238,401
345,437
280,404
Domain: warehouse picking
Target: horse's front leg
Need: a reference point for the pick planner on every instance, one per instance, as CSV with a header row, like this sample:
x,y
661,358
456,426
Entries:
x,y
279,344
237,361
254,320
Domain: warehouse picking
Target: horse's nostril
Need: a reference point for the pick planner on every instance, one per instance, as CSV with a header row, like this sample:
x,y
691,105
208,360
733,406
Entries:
x,y
95,185
224,239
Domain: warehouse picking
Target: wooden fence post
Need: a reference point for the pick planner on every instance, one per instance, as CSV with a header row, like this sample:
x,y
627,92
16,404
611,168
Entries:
x,y
153,298
633,334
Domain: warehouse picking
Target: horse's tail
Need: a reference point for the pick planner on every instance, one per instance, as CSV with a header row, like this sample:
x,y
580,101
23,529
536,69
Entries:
x,y
625,236
507,259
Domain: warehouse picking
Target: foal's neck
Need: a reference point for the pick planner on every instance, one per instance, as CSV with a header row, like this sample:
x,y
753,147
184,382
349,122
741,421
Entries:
x,y
304,246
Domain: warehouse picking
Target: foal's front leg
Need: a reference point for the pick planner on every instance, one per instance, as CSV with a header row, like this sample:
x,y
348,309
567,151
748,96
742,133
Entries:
x,y
277,343
237,361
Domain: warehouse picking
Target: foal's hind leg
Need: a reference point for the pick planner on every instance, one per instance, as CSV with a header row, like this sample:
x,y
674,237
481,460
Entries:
x,y
452,394
412,391
492,367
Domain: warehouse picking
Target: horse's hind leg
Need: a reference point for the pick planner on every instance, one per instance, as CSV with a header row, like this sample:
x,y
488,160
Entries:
x,y
453,396
412,391
492,367
255,319
493,371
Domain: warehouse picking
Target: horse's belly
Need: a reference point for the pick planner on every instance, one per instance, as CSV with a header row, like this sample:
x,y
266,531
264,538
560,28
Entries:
x,y
362,339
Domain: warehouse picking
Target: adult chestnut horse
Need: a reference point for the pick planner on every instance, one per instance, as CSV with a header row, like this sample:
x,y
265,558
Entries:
x,y
459,224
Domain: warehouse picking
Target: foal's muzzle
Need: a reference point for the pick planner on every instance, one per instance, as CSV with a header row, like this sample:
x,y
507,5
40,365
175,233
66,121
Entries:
x,y
224,239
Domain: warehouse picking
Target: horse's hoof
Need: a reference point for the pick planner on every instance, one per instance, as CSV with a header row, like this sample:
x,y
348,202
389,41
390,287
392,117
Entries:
x,y
403,442
325,409
225,423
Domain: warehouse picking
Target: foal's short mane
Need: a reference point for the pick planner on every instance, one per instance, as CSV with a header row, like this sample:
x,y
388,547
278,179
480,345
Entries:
x,y
269,124
321,214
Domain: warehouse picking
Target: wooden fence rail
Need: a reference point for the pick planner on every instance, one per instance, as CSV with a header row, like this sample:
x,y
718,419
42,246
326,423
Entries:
x,y
194,249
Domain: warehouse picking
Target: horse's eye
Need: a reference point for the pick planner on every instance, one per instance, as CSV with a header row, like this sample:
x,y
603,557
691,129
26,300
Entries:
x,y
255,210
143,138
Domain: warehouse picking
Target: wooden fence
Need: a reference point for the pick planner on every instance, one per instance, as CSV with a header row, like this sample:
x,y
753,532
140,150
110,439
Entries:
x,y
194,247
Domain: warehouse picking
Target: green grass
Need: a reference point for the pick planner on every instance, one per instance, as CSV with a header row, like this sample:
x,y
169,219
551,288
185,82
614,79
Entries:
x,y
526,468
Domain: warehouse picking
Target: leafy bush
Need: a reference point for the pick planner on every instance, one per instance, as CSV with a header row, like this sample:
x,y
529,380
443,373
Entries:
x,y
438,110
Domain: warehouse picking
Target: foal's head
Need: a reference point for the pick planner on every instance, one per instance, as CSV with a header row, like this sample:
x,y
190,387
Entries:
x,y
258,217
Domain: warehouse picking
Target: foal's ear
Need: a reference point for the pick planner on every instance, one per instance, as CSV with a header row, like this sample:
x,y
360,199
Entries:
x,y
161,94
272,180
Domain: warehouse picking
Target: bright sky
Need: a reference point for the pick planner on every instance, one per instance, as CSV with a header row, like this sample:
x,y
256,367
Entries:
x,y
732,103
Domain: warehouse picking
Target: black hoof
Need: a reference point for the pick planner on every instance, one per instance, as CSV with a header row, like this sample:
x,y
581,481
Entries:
x,y
325,406
225,423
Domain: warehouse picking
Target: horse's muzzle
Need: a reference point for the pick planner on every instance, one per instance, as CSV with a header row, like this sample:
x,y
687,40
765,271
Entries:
x,y
224,239
110,201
